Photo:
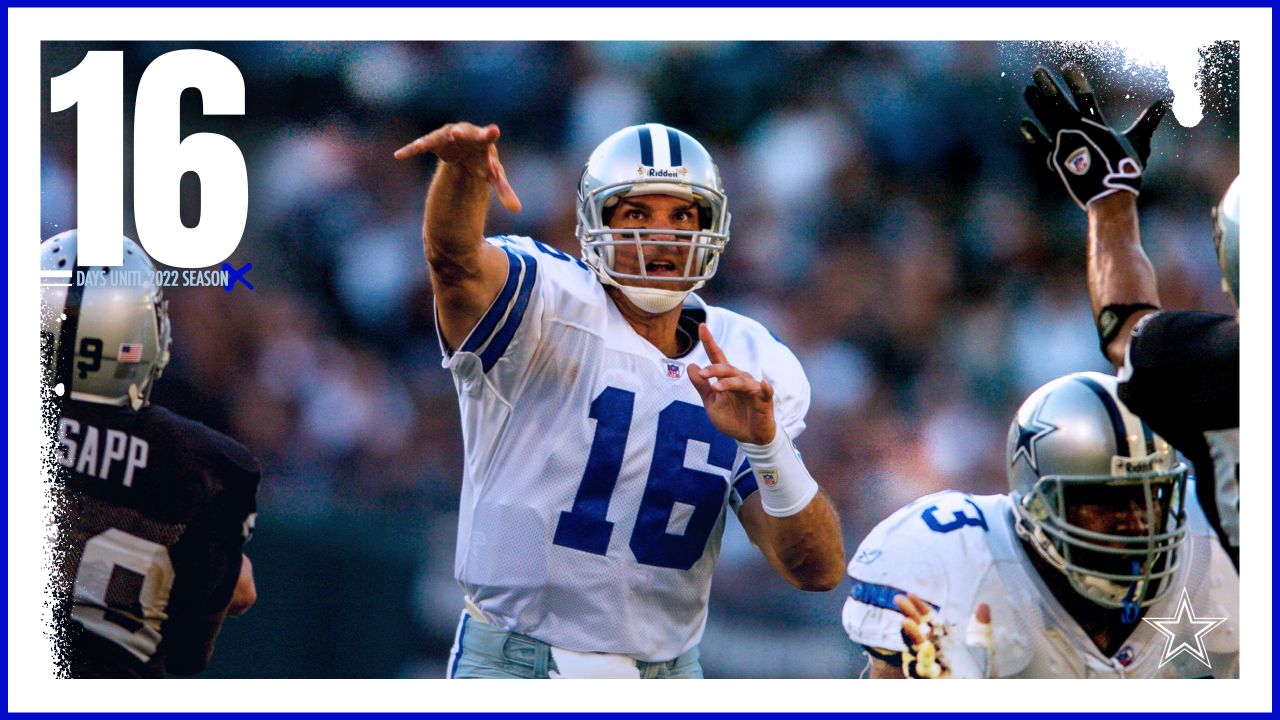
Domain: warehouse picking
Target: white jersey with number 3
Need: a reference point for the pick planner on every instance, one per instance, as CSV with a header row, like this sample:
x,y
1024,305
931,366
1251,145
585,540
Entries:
x,y
956,551
596,488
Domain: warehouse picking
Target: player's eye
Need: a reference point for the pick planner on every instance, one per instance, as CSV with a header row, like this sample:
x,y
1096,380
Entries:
x,y
634,214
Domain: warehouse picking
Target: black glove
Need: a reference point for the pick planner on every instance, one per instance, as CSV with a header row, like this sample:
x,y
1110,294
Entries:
x,y
1092,159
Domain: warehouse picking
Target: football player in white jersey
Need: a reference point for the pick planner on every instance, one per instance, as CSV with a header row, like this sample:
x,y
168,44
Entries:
x,y
1094,565
611,418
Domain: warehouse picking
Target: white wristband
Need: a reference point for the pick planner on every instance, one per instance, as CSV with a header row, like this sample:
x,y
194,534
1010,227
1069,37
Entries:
x,y
786,487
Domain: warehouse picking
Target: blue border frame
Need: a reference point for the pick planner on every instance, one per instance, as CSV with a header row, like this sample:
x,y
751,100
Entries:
x,y
586,3
652,3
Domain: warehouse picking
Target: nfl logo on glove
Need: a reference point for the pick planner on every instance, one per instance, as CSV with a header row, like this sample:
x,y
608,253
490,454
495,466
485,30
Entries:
x,y
1078,163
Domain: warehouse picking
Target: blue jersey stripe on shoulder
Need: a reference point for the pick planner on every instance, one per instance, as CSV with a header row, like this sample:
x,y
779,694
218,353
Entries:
x,y
502,339
880,596
491,318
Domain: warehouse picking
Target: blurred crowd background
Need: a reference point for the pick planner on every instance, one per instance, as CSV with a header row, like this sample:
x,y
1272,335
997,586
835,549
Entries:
x,y
889,224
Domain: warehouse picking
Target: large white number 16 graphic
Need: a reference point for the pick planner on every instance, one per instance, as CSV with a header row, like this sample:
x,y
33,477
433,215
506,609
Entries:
x,y
161,156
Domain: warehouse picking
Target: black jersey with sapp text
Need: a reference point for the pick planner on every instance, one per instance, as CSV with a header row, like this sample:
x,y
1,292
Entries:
x,y
152,522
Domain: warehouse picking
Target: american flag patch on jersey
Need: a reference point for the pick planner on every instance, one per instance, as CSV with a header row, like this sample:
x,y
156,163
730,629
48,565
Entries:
x,y
129,353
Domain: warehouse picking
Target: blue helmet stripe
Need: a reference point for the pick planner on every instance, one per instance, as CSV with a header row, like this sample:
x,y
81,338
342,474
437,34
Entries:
x,y
646,147
673,140
1113,411
1146,435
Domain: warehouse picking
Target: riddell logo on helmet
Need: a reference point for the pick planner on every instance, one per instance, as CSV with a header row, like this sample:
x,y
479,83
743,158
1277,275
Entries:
x,y
1124,466
663,172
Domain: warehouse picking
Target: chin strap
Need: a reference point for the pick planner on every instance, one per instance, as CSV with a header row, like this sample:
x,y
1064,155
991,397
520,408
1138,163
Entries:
x,y
1131,608
651,300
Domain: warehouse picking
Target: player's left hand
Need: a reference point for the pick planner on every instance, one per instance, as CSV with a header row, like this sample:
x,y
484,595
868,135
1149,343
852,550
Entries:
x,y
1093,159
737,404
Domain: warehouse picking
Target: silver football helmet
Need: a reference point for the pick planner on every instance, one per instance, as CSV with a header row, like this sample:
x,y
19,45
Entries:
x,y
1226,239
652,159
116,323
1072,444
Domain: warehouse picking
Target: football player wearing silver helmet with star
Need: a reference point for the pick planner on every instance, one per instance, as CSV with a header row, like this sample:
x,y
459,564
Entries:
x,y
152,509
1179,370
612,417
1054,579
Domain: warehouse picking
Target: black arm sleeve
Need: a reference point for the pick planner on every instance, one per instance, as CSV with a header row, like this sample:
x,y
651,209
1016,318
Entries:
x,y
1185,365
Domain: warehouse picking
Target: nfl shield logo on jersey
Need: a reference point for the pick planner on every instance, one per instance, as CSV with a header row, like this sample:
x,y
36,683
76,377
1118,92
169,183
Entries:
x,y
673,370
1125,656
768,477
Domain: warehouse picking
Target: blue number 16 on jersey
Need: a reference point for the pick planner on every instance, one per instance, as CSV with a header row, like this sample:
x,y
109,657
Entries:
x,y
585,528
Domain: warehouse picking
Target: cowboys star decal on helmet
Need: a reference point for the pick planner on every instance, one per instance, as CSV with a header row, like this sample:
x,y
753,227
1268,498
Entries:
x,y
1028,434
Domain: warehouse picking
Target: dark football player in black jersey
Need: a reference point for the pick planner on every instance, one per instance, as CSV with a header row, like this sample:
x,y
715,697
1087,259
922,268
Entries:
x,y
1179,371
152,509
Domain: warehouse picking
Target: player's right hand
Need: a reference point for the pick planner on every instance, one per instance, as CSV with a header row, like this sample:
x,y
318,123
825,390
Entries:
x,y
472,148
922,632
1092,158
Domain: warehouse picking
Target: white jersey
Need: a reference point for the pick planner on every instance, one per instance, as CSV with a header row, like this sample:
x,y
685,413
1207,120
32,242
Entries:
x,y
956,551
595,487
